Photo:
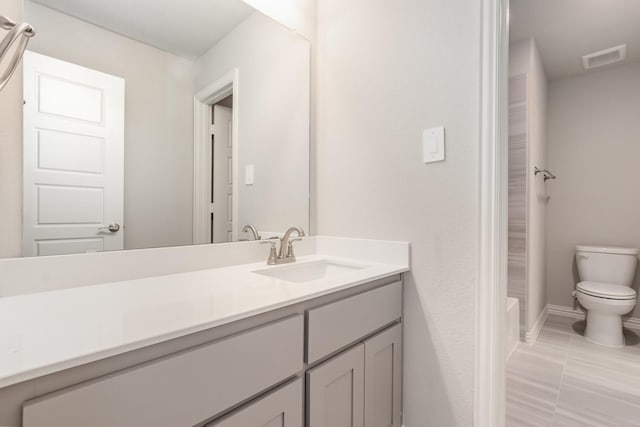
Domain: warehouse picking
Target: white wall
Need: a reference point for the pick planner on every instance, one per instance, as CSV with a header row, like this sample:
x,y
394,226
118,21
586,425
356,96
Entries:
x,y
386,71
158,121
594,148
11,152
298,15
274,82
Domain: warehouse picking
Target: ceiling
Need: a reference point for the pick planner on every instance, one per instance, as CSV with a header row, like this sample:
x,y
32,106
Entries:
x,y
186,28
565,30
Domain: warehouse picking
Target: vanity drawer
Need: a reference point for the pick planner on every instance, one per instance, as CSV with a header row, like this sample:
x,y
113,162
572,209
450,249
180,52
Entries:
x,y
335,326
182,389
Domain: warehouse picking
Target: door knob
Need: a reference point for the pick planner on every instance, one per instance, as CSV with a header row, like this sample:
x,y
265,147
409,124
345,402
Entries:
x,y
114,228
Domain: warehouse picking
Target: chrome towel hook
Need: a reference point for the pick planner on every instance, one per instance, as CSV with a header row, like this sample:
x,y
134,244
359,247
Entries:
x,y
545,172
20,33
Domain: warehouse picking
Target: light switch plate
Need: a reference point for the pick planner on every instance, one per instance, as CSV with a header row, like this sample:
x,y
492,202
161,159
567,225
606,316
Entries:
x,y
248,175
433,145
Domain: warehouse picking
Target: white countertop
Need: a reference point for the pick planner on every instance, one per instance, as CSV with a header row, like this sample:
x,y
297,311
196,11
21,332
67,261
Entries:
x,y
45,332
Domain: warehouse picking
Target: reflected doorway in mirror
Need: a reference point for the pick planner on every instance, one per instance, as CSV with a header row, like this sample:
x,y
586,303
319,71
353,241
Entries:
x,y
222,172
205,204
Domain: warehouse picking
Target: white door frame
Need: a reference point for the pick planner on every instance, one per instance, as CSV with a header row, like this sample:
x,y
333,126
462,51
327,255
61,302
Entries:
x,y
202,102
491,295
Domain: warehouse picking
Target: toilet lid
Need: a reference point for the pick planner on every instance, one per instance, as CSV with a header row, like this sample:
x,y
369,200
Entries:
x,y
606,290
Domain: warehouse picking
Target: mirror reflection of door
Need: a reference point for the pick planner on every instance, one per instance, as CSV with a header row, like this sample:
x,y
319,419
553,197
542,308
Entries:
x,y
73,158
222,173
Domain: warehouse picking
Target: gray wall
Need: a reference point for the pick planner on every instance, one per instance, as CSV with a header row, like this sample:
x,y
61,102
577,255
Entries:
x,y
301,15
594,148
538,199
158,121
274,82
387,71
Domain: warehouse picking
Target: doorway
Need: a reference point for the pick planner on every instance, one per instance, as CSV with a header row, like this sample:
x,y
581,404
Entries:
x,y
215,159
222,171
574,100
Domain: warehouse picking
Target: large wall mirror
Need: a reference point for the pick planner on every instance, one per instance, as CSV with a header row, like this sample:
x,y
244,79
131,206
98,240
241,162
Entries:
x,y
160,123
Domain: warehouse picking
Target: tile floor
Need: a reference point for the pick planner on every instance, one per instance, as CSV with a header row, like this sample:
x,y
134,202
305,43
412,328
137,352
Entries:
x,y
565,381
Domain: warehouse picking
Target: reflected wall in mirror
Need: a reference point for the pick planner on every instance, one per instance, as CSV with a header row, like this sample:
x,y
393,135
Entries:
x,y
152,124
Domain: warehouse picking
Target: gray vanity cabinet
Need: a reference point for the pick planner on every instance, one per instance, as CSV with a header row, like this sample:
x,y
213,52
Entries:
x,y
360,387
256,377
280,408
336,391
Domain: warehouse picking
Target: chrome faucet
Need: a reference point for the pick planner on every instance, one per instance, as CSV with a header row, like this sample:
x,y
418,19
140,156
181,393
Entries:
x,y
254,231
286,243
285,254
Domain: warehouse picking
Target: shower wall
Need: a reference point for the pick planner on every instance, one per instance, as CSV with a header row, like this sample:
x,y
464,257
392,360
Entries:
x,y
517,257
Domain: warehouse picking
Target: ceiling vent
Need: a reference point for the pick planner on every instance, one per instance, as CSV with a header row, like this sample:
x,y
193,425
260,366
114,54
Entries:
x,y
604,57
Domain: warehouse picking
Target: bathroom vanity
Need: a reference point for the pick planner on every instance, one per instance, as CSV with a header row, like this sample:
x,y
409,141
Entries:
x,y
317,342
204,335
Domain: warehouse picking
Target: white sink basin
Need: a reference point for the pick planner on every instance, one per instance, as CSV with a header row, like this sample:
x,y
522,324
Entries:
x,y
308,271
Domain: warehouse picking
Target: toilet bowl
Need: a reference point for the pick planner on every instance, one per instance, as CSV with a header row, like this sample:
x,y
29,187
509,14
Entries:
x,y
605,304
605,290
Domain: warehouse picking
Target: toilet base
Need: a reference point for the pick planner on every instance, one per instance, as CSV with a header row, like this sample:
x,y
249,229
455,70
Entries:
x,y
604,318
604,329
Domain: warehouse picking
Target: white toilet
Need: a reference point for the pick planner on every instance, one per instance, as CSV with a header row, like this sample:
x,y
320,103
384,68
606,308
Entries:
x,y
606,275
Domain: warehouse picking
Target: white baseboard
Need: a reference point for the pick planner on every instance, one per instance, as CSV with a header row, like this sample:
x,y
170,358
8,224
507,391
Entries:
x,y
532,335
574,313
580,314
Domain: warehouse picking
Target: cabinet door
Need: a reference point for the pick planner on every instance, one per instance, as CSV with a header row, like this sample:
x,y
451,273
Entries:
x,y
281,408
383,378
335,391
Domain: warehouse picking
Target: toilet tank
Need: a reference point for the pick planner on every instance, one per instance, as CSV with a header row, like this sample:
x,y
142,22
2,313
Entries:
x,y
606,264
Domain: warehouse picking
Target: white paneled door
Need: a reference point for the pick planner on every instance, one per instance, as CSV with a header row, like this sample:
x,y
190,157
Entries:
x,y
222,173
73,158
